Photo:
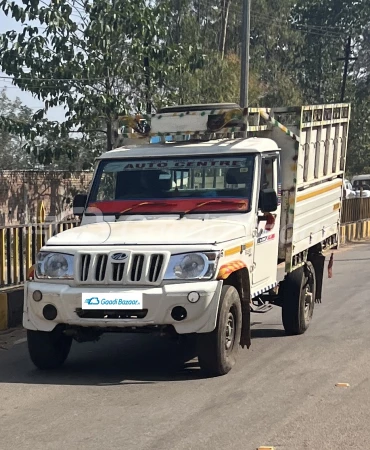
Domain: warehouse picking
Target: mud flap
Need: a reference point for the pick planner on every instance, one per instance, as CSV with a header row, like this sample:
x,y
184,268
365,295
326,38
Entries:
x,y
318,262
245,339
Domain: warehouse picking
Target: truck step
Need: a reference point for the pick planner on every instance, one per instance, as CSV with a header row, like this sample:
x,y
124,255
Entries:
x,y
260,307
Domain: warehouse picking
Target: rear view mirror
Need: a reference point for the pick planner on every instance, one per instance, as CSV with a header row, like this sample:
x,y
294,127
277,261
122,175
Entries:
x,y
79,204
268,202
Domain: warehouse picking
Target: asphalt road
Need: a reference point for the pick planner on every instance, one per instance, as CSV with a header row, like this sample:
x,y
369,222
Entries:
x,y
121,394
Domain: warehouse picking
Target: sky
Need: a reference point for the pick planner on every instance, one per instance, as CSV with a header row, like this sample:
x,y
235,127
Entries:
x,y
7,24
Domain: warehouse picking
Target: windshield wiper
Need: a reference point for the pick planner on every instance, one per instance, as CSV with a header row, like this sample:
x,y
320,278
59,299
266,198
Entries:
x,y
138,205
210,202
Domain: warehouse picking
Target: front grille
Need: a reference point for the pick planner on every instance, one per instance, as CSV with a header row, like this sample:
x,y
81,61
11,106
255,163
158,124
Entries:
x,y
101,267
136,269
155,268
85,266
118,271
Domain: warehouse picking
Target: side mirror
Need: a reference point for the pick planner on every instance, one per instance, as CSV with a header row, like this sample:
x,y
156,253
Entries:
x,y
79,204
268,202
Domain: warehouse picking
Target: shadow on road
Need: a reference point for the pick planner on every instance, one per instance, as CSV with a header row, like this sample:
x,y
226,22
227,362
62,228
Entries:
x,y
263,333
114,360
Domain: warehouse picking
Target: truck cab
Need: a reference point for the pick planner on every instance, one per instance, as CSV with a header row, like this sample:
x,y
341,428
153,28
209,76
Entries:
x,y
232,193
185,237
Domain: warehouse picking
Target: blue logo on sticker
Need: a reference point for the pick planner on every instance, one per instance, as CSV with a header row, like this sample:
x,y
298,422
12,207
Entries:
x,y
93,301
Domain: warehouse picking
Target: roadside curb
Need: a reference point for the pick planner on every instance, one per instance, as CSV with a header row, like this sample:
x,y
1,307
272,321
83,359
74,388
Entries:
x,y
356,231
11,307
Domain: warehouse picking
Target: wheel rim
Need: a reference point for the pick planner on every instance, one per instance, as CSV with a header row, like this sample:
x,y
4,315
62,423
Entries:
x,y
230,331
308,299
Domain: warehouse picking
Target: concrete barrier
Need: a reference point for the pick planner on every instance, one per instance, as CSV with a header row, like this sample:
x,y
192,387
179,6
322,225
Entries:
x,y
357,231
11,307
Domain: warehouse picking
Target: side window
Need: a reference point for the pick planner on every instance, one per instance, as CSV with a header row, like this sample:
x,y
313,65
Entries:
x,y
267,175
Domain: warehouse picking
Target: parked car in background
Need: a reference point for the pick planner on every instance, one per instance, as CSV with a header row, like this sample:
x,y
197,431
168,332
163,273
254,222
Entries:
x,y
348,190
361,185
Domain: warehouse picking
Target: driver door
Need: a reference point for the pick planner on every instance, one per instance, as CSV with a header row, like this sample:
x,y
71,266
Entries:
x,y
267,225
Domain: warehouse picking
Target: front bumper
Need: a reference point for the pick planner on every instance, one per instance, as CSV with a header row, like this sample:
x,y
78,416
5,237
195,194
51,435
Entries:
x,y
159,303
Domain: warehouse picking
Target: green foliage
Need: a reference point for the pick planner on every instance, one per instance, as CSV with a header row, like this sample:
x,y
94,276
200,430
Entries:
x,y
93,65
14,117
96,59
11,154
321,71
217,81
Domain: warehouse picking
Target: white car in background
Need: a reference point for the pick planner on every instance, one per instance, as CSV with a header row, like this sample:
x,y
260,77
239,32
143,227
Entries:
x,y
361,182
348,190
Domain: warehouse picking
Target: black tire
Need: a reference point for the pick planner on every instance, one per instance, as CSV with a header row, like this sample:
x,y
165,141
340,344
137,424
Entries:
x,y
48,350
217,351
299,300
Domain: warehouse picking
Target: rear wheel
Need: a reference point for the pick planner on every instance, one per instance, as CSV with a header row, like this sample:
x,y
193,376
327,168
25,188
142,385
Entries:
x,y
48,350
217,351
299,299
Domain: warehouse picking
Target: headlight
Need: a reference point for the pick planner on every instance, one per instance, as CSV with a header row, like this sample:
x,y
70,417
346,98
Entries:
x,y
192,266
54,265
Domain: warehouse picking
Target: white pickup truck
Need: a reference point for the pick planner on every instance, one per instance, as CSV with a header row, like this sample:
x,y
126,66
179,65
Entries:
x,y
156,254
361,186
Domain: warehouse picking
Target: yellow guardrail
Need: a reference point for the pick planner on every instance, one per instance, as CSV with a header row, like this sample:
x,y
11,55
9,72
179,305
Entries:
x,y
19,246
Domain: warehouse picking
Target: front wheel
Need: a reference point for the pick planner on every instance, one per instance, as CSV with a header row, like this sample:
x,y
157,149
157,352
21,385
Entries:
x,y
48,350
217,351
299,299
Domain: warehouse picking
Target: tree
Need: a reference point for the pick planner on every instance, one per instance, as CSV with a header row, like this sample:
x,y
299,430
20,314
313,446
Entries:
x,y
359,143
217,80
12,154
103,60
211,73
93,65
327,25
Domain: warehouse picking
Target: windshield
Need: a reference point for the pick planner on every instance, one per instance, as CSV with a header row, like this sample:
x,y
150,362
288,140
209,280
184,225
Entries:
x,y
365,184
173,186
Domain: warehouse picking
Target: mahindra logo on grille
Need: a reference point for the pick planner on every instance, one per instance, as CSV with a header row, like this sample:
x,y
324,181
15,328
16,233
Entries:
x,y
119,256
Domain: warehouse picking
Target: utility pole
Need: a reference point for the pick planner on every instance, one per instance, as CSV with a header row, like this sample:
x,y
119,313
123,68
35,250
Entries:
x,y
224,23
347,58
244,79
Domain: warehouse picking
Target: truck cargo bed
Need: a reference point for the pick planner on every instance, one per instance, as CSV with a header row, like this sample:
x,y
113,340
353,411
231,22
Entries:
x,y
313,158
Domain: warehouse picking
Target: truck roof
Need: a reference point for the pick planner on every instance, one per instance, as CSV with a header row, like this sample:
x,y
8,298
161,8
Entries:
x,y
222,147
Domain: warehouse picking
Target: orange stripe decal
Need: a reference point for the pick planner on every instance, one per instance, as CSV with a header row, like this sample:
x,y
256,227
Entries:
x,y
239,249
227,269
233,251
